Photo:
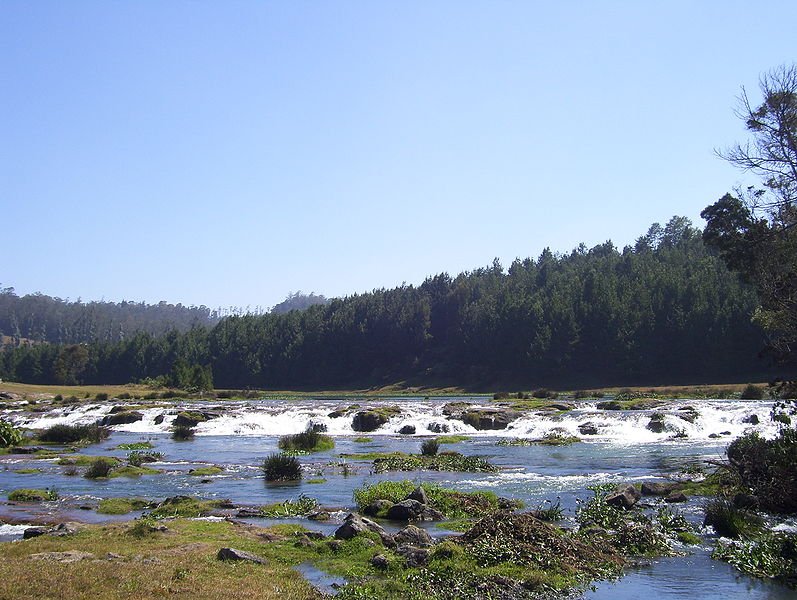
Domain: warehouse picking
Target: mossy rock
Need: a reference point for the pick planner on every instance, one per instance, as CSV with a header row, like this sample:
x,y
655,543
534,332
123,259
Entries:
x,y
32,495
188,419
122,418
489,419
373,418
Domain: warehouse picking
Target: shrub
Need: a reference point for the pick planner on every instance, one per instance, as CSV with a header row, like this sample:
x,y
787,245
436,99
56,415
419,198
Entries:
x,y
101,397
32,495
58,398
282,467
136,458
99,468
729,521
307,441
753,392
69,434
124,396
541,393
767,468
430,447
9,435
182,433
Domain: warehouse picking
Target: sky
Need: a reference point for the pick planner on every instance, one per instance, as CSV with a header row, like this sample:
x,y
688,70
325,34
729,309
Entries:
x,y
228,153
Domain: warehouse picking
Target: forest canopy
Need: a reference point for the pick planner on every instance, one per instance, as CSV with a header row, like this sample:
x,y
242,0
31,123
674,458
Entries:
x,y
666,309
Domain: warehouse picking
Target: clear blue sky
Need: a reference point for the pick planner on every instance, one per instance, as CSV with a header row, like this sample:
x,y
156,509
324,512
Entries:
x,y
226,153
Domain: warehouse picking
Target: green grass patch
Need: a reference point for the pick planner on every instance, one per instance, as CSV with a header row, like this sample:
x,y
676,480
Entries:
x,y
206,471
307,441
452,439
301,507
131,471
185,506
556,439
316,481
27,471
362,439
32,495
444,461
84,460
135,446
121,506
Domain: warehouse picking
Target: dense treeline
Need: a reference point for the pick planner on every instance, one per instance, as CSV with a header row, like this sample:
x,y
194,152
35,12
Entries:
x,y
666,309
41,318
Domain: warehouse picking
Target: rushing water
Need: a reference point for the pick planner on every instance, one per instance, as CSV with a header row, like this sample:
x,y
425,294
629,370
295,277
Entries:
x,y
624,450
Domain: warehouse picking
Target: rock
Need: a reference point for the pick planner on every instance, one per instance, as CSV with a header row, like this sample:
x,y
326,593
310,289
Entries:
x,y
588,428
438,427
188,419
233,554
121,418
303,542
406,510
752,419
609,405
489,419
380,562
159,419
117,409
688,414
335,545
725,432
371,420
418,494
415,557
657,488
320,515
63,557
317,427
746,501
377,507
354,525
407,430
656,423
64,529
32,532
624,497
676,497
455,410
714,436
247,512
413,536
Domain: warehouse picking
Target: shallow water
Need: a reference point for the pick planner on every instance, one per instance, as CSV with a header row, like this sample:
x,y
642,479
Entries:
x,y
623,451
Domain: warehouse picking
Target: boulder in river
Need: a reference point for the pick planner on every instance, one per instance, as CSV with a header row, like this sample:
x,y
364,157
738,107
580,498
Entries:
x,y
121,418
624,497
372,419
489,418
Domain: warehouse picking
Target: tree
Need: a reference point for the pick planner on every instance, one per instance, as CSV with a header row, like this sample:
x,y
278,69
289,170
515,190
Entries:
x,y
754,230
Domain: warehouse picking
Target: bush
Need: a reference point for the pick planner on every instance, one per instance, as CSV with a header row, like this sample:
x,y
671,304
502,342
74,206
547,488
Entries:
x,y
767,469
101,397
69,434
9,435
307,441
282,467
430,447
182,433
753,392
136,458
729,521
99,468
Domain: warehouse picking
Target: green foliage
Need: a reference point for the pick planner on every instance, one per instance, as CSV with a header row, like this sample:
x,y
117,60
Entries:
x,y
767,468
550,511
444,461
596,511
70,434
135,446
363,439
307,441
136,458
184,506
452,439
99,468
556,438
753,392
773,555
453,504
301,507
121,506
206,471
730,521
282,467
430,447
9,435
32,495
182,433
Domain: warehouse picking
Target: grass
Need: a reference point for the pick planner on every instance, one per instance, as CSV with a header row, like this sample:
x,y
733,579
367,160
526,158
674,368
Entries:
x,y
362,439
452,439
131,471
186,566
32,495
121,506
282,467
301,507
88,391
307,441
185,506
70,434
135,446
444,461
206,471
84,460
27,471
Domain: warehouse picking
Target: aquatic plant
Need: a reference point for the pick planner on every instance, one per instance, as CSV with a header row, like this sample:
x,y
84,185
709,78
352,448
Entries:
x,y
99,468
282,467
137,458
301,507
430,447
773,555
444,461
32,495
730,521
69,434
310,440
